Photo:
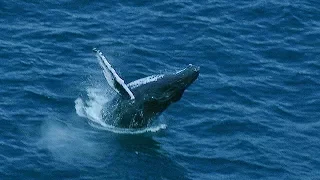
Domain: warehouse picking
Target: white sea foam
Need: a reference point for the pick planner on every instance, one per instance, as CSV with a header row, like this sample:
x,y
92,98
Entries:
x,y
91,109
129,131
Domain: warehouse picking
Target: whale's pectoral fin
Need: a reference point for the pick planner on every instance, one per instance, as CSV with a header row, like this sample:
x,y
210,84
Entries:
x,y
112,77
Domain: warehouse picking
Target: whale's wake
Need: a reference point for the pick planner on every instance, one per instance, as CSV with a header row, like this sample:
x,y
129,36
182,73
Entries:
x,y
91,108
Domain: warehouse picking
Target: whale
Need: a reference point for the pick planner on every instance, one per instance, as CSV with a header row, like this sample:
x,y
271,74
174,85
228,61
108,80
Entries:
x,y
136,104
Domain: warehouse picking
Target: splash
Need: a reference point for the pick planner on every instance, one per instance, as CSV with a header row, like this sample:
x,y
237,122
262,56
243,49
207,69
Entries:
x,y
91,109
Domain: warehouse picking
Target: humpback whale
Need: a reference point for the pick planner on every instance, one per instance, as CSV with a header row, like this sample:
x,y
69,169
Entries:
x,y
139,102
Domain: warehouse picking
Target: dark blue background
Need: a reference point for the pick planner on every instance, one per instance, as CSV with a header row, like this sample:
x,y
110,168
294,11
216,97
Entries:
x,y
253,113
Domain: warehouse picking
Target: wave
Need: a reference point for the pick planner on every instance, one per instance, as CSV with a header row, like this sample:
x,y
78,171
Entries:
x,y
91,109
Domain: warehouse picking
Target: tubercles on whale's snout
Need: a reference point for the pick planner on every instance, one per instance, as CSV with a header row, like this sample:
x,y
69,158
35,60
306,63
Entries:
x,y
194,68
192,71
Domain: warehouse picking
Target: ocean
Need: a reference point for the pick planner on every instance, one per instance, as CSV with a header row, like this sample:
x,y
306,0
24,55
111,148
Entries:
x,y
253,112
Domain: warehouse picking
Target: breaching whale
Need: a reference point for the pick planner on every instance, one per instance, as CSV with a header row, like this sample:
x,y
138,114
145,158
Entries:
x,y
137,103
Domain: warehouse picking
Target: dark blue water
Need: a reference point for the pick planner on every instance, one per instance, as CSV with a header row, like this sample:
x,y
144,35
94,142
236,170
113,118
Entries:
x,y
253,113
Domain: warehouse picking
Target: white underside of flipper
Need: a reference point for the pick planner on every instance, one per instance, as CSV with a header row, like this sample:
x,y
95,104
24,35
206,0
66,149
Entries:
x,y
111,75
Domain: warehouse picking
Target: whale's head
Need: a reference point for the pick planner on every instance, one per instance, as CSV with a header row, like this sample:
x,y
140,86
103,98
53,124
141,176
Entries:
x,y
162,90
173,85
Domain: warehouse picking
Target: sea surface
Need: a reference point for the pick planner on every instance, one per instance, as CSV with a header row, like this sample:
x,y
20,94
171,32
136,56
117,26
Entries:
x,y
253,113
